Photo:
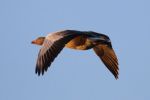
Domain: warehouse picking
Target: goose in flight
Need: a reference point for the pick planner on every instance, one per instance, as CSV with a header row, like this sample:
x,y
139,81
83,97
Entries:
x,y
53,43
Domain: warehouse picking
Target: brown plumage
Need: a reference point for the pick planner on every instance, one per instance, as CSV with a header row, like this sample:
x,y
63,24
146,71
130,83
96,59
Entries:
x,y
53,43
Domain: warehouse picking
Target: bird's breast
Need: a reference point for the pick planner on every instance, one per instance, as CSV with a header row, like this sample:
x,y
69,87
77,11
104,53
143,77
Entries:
x,y
80,43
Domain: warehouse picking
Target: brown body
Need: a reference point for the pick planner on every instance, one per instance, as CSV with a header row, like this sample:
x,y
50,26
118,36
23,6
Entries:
x,y
80,43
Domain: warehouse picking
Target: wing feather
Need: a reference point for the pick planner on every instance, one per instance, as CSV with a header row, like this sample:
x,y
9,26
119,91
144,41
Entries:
x,y
108,57
51,47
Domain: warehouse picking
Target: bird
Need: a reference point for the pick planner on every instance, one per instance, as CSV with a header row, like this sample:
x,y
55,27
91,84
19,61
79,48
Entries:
x,y
53,43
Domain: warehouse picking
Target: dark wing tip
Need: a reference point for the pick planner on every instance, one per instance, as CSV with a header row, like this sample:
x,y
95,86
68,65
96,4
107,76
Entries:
x,y
112,66
116,77
37,71
41,69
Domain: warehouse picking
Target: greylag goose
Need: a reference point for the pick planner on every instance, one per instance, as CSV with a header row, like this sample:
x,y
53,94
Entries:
x,y
53,43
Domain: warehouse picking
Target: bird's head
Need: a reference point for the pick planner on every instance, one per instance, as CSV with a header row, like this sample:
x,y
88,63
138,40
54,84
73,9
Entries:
x,y
38,41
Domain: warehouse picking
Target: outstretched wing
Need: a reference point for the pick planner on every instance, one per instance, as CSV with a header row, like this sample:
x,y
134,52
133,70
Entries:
x,y
51,47
109,58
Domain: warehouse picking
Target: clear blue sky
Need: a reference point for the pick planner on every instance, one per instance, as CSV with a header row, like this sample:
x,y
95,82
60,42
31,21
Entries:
x,y
74,75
